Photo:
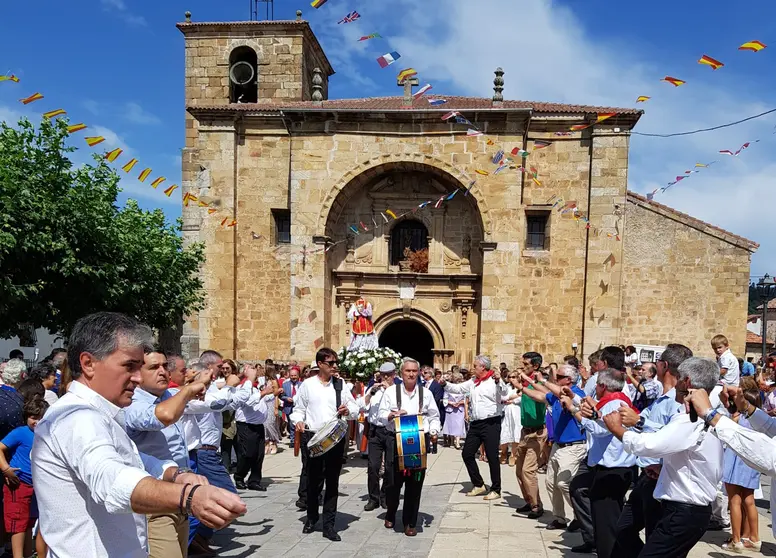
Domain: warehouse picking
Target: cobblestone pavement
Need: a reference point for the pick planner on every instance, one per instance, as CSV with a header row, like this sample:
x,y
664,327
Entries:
x,y
452,525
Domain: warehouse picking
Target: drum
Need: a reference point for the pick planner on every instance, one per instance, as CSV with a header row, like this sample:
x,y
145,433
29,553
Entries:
x,y
410,442
328,436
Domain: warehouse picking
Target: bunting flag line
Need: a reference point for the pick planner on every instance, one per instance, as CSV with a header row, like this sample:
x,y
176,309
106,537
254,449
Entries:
x,y
384,217
727,152
113,155
579,127
387,59
472,132
461,120
372,36
200,203
406,73
128,167
224,221
350,18
518,152
186,199
469,189
168,192
52,113
439,202
436,102
753,46
144,175
673,81
391,213
91,141
498,157
451,196
157,182
211,211
709,61
354,229
562,134
31,99
11,77
232,224
363,226
642,99
76,128
422,91
449,115
317,3
604,116
541,144
482,172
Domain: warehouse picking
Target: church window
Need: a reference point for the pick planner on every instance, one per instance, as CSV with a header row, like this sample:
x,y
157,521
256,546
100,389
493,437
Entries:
x,y
243,75
407,234
537,227
282,220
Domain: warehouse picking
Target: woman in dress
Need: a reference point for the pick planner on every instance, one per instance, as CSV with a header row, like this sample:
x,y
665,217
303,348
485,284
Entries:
x,y
510,423
741,481
271,430
455,413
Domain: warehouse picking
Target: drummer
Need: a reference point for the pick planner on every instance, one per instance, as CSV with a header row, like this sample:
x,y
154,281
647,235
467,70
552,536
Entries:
x,y
410,393
318,400
380,441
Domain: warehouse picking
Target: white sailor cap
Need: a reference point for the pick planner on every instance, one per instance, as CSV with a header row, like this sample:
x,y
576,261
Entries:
x,y
387,368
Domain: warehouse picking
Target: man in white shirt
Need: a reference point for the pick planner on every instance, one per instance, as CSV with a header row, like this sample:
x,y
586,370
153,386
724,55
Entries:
x,y
250,418
692,466
485,391
379,439
408,398
90,477
318,400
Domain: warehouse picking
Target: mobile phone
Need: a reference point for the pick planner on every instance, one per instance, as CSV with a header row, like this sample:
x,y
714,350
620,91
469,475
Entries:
x,y
693,413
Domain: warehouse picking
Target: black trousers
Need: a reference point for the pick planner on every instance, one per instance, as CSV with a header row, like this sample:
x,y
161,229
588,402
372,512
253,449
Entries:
x,y
488,432
226,451
379,442
413,486
680,528
641,511
580,500
251,440
303,477
325,468
607,497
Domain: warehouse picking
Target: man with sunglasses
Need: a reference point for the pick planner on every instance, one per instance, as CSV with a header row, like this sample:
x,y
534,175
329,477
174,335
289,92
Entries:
x,y
318,400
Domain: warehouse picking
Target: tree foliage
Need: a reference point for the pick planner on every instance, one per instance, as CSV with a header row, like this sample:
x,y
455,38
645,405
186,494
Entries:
x,y
67,249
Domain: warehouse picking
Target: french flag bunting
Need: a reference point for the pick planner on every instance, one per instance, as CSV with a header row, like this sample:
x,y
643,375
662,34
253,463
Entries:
x,y
422,91
436,102
387,59
450,115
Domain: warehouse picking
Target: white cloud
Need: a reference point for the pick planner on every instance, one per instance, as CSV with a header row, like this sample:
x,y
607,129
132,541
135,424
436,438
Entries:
x,y
136,114
120,8
548,55
92,106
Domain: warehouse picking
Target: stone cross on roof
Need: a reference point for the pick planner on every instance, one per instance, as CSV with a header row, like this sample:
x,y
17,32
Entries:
x,y
408,84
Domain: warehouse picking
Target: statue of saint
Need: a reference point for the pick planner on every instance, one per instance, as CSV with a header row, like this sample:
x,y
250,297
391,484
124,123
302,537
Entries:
x,y
363,330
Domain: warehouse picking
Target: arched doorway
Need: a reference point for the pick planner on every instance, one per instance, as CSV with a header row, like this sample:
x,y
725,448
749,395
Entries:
x,y
410,338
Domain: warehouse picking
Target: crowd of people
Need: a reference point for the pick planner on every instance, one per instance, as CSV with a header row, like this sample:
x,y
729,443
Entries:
x,y
142,453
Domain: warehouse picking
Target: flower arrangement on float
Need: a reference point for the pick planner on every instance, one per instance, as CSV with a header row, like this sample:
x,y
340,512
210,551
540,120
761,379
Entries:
x,y
361,364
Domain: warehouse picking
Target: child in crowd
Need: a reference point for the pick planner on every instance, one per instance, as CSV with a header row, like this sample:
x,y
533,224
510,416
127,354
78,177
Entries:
x,y
730,373
20,509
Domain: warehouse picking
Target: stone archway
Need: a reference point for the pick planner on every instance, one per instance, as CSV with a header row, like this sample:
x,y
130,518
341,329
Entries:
x,y
409,338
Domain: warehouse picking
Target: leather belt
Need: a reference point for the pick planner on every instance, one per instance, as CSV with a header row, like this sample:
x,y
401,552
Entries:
x,y
564,445
204,447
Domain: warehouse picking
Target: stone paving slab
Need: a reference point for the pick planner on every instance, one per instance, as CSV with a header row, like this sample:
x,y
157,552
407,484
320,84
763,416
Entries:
x,y
452,524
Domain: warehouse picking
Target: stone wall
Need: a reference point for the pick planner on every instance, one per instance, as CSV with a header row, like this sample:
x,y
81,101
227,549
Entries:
x,y
683,281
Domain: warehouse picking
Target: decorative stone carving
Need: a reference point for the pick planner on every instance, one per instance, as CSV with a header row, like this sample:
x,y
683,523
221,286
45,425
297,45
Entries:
x,y
450,259
464,316
467,248
363,254
317,85
445,306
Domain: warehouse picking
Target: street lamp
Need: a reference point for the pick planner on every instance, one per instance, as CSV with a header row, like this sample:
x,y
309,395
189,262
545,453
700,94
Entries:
x,y
766,288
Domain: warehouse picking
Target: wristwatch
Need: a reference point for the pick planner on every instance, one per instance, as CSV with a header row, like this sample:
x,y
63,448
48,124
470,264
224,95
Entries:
x,y
640,423
710,416
180,471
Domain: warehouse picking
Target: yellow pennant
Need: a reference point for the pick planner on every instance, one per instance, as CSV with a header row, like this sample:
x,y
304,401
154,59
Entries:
x,y
391,213
203,204
224,221
91,141
113,155
53,113
168,192
144,175
158,181
31,99
76,128
232,224
128,166
211,211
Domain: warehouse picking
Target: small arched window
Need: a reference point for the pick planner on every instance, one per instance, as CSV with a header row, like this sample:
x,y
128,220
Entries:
x,y
243,75
407,234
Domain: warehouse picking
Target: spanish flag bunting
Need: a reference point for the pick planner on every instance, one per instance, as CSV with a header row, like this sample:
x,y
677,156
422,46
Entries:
x,y
12,78
404,74
643,99
76,128
113,155
578,127
31,99
536,181
186,199
224,221
709,61
317,3
211,211
753,46
481,172
144,175
168,192
202,203
128,167
391,213
603,116
53,113
673,81
91,141
158,181
232,224
490,142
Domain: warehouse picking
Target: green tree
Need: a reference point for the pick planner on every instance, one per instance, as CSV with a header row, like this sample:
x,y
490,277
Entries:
x,y
67,249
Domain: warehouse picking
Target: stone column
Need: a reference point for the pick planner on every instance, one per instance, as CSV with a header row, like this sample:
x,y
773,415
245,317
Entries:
x,y
436,243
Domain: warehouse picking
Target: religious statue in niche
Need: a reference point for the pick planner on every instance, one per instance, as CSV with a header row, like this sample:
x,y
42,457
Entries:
x,y
363,334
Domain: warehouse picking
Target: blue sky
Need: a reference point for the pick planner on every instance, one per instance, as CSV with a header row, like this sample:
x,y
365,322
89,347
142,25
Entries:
x,y
117,65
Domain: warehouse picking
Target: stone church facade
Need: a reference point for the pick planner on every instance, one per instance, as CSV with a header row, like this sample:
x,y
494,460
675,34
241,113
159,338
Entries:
x,y
508,272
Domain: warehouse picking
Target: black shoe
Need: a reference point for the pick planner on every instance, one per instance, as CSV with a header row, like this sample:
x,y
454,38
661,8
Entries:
x,y
556,525
301,504
384,504
240,484
308,528
584,548
524,509
536,514
434,449
256,486
371,505
574,526
332,535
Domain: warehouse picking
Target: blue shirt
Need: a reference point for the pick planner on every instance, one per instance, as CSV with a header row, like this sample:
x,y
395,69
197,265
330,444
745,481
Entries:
x,y
19,441
564,428
152,437
748,369
656,416
603,448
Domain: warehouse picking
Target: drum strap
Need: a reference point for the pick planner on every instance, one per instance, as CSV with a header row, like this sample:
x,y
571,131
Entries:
x,y
420,397
338,391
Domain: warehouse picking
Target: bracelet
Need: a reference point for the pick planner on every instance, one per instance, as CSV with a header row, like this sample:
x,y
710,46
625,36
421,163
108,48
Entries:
x,y
183,492
190,498
710,416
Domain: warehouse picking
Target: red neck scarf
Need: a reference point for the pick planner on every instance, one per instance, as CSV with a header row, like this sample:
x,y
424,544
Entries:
x,y
255,383
478,381
173,385
611,397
